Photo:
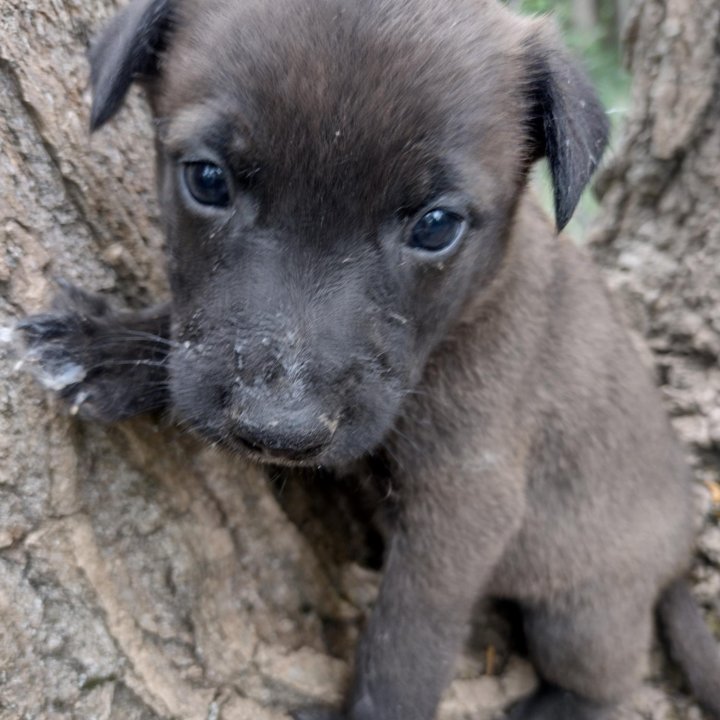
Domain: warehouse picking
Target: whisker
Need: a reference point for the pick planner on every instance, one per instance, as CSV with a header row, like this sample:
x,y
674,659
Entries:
x,y
127,332
123,343
122,363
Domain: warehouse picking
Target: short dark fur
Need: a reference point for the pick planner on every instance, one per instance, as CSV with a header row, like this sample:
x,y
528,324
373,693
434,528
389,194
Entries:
x,y
529,450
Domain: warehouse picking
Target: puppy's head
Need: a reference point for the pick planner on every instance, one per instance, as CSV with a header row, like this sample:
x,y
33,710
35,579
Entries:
x,y
338,179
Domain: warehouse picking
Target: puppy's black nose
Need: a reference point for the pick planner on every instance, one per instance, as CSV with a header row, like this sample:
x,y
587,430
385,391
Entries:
x,y
293,438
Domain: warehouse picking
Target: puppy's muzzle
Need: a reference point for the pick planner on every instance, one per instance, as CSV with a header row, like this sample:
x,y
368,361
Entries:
x,y
299,436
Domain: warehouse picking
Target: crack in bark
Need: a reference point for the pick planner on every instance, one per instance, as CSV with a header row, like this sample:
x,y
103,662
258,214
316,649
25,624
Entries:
x,y
71,189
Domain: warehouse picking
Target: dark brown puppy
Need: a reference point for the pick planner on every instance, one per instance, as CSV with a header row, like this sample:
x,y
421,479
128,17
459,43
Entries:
x,y
357,269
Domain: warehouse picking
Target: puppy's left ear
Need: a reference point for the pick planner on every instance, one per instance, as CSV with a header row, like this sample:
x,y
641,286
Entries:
x,y
568,124
126,50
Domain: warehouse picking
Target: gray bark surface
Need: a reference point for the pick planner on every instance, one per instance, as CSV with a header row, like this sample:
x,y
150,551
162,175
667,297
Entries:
x,y
659,236
146,576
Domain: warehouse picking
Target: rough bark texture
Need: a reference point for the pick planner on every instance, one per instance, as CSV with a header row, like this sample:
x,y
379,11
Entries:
x,y
659,234
145,576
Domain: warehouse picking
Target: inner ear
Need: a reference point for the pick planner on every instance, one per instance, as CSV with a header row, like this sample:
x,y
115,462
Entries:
x,y
568,124
125,51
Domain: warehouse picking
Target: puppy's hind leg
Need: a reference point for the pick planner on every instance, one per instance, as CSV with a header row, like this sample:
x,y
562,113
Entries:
x,y
589,652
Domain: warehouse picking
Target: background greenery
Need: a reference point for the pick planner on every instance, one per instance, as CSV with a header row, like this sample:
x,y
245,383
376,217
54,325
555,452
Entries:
x,y
593,30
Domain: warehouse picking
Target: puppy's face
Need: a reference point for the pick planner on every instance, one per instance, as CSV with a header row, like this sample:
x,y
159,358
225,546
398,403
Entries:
x,y
337,181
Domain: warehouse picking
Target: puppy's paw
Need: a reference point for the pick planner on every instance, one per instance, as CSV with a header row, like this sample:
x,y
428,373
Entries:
x,y
80,350
51,348
317,713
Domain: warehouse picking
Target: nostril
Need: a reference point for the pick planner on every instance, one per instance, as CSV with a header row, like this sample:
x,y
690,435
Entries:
x,y
273,372
224,396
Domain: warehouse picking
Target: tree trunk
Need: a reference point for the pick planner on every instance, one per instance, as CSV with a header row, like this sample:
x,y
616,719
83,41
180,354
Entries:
x,y
659,234
622,13
584,15
143,575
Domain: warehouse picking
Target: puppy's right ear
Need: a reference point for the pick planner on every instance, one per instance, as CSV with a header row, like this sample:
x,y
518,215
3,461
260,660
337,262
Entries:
x,y
125,51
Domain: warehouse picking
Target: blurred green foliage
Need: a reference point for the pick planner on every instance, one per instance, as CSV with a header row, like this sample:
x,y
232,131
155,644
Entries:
x,y
599,50
599,47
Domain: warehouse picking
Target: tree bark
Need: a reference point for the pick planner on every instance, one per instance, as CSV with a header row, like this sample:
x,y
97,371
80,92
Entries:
x,y
585,15
622,12
143,575
659,235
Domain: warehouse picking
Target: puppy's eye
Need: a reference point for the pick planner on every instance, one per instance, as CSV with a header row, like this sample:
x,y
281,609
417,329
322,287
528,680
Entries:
x,y
207,183
437,230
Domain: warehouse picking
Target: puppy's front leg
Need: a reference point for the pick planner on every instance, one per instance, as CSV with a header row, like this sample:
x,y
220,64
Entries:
x,y
452,530
106,365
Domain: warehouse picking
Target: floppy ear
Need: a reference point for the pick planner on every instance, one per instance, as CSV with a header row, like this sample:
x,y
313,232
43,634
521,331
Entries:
x,y
126,50
568,123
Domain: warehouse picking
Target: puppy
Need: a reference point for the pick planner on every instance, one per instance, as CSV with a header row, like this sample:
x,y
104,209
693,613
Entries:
x,y
358,271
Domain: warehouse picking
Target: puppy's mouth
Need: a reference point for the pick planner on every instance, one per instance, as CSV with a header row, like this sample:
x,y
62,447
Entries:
x,y
294,457
276,445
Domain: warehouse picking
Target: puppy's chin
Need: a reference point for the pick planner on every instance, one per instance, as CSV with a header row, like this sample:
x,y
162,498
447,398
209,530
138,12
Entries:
x,y
359,432
348,445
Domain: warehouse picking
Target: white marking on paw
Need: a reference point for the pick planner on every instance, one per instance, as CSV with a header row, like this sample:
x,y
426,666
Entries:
x,y
7,334
67,374
80,398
